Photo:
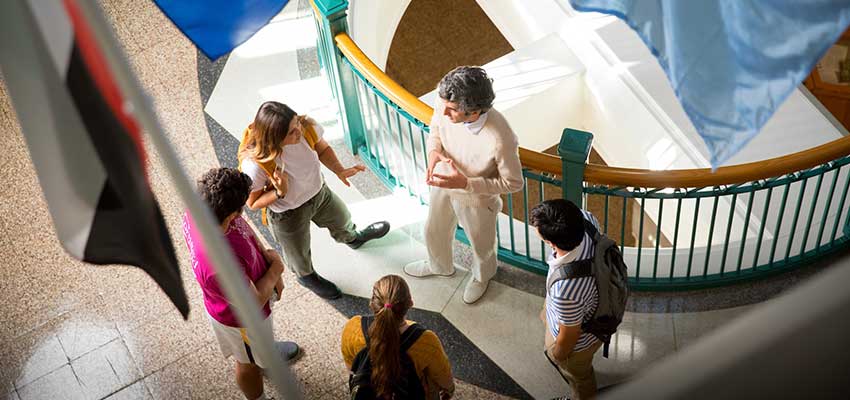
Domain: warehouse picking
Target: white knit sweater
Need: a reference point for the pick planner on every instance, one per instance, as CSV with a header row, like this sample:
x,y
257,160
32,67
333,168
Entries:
x,y
489,159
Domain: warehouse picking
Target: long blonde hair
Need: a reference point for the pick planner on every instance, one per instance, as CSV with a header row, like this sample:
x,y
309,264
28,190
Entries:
x,y
267,132
390,302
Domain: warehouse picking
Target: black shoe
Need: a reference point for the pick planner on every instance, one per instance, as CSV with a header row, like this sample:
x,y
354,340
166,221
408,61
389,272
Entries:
x,y
373,231
288,350
320,286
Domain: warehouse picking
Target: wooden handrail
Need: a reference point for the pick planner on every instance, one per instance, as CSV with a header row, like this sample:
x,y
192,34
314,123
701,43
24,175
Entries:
x,y
384,83
601,174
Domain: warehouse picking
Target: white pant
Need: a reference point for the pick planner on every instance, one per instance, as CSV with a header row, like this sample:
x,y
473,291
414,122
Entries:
x,y
479,223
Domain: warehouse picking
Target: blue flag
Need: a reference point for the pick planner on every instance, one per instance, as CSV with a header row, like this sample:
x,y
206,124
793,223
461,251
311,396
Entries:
x,y
731,63
218,26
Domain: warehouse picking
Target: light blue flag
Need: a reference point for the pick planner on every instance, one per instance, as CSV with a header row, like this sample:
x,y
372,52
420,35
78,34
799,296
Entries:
x,y
732,63
218,26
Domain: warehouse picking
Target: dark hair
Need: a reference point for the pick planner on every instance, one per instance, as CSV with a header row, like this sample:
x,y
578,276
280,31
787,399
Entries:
x,y
469,87
270,127
225,190
559,221
390,302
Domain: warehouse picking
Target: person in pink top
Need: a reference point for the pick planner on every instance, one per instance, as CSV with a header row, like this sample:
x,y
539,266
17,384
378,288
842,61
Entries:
x,y
225,191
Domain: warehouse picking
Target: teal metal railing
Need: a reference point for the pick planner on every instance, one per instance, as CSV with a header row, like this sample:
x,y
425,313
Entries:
x,y
677,229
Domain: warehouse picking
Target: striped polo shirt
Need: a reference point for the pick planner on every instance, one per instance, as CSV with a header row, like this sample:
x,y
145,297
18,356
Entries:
x,y
572,301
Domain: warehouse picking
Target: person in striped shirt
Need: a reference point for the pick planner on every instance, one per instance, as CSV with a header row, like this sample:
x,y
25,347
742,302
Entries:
x,y
569,302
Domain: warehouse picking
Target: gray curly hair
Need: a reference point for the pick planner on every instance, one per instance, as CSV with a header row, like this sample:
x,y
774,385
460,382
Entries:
x,y
469,87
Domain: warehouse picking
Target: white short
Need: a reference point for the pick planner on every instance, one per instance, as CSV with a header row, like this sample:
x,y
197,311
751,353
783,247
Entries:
x,y
236,342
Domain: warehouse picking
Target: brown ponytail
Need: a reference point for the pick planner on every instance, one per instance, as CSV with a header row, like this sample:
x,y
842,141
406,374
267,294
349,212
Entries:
x,y
390,302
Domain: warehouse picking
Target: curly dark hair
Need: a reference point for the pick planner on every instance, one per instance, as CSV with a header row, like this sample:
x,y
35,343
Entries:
x,y
225,190
469,87
559,221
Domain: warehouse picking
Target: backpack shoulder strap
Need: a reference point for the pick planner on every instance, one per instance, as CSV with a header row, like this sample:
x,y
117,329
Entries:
x,y
310,135
575,269
410,336
365,321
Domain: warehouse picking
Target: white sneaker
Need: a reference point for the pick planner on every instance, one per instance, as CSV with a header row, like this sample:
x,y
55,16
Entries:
x,y
474,290
422,269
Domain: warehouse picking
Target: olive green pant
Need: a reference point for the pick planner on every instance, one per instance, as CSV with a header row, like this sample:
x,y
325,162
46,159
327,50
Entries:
x,y
577,369
291,228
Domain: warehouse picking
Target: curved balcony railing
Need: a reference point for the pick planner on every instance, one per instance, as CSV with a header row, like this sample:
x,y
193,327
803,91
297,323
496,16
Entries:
x,y
678,229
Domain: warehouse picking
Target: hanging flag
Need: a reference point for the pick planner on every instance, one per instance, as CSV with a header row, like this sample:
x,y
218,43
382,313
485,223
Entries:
x,y
218,26
85,145
732,63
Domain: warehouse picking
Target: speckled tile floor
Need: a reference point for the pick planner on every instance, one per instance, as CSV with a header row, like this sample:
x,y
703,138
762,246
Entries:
x,y
70,330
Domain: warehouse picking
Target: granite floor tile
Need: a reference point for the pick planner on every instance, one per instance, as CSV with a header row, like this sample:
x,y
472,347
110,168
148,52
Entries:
x,y
147,72
642,339
175,64
317,374
203,374
336,392
136,391
464,390
133,299
61,381
106,370
690,327
157,344
137,17
85,328
33,355
10,133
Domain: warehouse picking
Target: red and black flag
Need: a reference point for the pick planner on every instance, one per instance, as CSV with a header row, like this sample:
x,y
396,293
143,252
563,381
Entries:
x,y
84,142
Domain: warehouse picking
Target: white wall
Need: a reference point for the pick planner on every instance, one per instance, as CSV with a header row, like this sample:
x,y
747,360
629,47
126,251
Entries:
x,y
372,25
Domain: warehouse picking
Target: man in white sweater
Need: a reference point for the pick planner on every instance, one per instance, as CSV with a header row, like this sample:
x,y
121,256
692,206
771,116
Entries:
x,y
472,159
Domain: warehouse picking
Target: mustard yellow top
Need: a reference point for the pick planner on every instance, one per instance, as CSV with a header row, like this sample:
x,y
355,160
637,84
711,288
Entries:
x,y
429,358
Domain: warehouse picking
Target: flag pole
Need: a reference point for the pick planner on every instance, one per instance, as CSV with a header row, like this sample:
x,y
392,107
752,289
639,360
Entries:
x,y
230,277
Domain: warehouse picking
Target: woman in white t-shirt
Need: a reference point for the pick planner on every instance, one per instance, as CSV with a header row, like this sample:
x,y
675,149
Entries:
x,y
283,152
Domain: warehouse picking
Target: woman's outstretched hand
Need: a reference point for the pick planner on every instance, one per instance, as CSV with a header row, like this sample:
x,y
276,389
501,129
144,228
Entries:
x,y
349,172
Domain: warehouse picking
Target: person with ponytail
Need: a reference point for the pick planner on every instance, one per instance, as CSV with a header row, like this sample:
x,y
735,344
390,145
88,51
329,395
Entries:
x,y
387,334
282,153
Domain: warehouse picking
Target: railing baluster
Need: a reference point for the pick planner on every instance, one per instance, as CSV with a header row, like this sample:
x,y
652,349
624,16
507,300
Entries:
x,y
511,221
840,207
746,226
623,226
425,159
811,215
728,232
640,237
675,236
693,238
540,200
710,234
367,118
525,208
404,179
779,219
826,211
418,179
606,214
764,216
657,236
382,133
376,131
793,231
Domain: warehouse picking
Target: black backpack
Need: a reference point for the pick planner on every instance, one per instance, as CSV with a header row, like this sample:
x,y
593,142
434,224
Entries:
x,y
611,275
360,378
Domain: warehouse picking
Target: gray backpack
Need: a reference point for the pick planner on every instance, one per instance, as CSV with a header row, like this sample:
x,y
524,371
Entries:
x,y
611,275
